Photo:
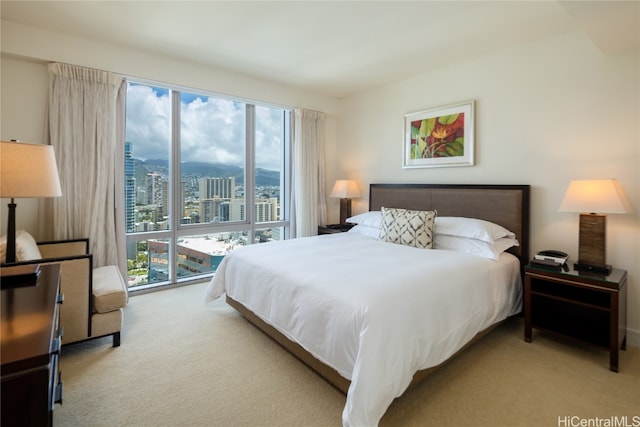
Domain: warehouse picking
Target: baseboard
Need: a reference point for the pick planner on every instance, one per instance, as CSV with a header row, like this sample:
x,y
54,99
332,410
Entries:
x,y
633,338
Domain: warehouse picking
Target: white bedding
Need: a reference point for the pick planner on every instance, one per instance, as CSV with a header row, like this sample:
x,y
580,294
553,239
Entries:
x,y
376,312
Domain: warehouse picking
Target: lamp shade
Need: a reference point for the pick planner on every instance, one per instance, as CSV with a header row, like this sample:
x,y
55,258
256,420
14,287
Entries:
x,y
595,196
28,170
345,189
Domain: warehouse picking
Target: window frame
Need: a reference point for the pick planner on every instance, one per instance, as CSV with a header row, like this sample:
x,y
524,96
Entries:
x,y
177,229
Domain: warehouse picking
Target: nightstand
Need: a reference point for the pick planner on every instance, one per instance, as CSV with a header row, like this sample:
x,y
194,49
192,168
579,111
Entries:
x,y
334,228
583,306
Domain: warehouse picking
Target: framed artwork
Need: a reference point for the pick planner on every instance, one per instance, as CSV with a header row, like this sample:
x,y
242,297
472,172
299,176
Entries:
x,y
440,137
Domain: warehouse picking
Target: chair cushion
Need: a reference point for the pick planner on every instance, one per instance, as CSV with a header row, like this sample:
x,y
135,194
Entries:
x,y
109,290
106,323
26,247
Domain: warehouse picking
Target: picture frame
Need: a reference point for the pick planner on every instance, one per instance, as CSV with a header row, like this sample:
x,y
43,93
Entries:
x,y
440,137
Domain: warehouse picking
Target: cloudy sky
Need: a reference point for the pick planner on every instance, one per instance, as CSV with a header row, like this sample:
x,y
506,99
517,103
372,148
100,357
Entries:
x,y
212,129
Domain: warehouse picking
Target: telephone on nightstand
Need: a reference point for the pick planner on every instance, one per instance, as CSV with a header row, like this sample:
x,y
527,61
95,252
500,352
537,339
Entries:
x,y
551,259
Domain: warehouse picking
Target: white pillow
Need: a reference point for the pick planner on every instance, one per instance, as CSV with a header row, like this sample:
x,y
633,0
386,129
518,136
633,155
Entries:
x,y
474,246
371,218
26,247
366,230
408,227
472,228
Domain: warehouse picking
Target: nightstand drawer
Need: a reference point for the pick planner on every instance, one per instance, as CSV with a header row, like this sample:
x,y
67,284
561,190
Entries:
x,y
571,293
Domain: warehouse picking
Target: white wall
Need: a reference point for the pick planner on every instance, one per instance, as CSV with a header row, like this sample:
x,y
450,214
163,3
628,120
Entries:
x,y
546,113
23,90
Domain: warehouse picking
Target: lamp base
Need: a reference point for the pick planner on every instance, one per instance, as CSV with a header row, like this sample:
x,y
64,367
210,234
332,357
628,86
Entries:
x,y
597,269
11,233
592,241
345,210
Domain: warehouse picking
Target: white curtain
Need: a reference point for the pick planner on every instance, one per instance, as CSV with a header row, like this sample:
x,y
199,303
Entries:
x,y
82,129
308,190
121,232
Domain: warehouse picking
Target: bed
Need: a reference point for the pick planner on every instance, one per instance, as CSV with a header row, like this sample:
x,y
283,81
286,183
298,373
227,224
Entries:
x,y
374,317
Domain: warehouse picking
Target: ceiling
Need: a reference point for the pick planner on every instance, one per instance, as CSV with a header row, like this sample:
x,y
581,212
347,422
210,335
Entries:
x,y
334,48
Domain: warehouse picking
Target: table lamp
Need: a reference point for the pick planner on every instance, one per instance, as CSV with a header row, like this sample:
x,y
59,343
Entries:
x,y
345,190
593,199
26,170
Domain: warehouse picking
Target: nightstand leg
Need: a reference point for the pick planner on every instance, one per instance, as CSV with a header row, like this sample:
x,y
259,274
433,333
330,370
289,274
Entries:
x,y
613,361
614,331
527,309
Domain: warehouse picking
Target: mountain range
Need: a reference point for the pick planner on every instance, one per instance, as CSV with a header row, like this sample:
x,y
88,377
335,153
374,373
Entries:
x,y
264,177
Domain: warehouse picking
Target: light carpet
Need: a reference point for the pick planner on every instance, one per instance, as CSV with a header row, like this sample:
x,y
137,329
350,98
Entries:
x,y
181,364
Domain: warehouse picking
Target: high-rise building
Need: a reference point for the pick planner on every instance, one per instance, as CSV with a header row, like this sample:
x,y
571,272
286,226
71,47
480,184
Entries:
x,y
266,210
154,188
141,195
214,210
183,197
217,188
129,189
215,195
164,200
236,210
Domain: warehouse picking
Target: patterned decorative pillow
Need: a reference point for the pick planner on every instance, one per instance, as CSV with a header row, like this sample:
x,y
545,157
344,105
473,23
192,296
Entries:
x,y
408,227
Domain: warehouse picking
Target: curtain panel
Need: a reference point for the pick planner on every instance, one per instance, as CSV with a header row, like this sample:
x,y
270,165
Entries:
x,y
308,169
82,129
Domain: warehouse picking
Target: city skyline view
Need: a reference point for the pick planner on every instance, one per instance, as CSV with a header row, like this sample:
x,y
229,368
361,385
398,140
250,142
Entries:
x,y
186,165
204,199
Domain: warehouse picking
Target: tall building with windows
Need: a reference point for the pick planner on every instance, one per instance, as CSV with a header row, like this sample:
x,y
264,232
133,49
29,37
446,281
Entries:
x,y
215,195
164,202
217,188
236,210
266,210
154,188
129,189
183,197
141,195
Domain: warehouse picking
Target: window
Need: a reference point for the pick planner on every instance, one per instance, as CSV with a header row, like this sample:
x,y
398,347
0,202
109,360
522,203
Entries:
x,y
203,175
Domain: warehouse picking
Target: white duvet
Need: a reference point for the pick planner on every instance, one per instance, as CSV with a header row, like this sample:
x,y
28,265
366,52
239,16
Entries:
x,y
376,312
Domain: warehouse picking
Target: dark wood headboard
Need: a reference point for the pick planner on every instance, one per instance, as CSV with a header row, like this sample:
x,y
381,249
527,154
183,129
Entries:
x,y
506,205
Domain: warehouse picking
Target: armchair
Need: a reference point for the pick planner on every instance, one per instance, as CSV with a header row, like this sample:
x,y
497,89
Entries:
x,y
93,298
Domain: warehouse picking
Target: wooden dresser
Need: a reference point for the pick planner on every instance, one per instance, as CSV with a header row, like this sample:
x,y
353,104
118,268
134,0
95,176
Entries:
x,y
31,339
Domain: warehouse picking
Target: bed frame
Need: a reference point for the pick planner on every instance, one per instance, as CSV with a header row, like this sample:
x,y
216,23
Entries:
x,y
506,205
